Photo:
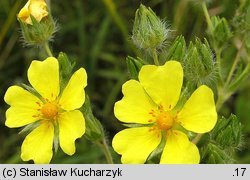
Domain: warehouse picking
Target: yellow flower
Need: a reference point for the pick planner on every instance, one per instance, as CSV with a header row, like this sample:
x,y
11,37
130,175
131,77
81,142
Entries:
x,y
50,110
36,8
151,102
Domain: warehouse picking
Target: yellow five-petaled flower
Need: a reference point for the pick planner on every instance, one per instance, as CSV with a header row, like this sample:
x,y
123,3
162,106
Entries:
x,y
36,8
52,109
151,102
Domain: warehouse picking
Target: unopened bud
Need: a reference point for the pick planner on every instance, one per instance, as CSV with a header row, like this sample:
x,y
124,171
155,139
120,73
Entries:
x,y
36,23
221,32
149,32
199,66
177,50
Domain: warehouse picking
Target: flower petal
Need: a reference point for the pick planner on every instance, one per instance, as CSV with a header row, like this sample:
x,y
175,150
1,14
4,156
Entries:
x,y
24,107
38,144
179,150
24,13
163,83
136,144
71,127
199,112
44,77
73,95
135,106
38,9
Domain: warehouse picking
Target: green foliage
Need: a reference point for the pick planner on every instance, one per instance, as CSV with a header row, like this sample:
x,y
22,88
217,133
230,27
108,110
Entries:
x,y
134,66
66,69
199,66
39,32
220,33
228,133
212,154
177,50
224,140
94,129
95,35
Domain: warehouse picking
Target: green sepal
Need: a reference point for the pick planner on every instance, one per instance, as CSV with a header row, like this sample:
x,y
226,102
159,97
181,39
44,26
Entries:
x,y
39,32
30,127
134,66
66,68
94,130
177,50
56,138
155,156
31,90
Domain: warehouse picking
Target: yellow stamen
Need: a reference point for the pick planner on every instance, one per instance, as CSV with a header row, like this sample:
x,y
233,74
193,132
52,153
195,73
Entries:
x,y
165,120
49,111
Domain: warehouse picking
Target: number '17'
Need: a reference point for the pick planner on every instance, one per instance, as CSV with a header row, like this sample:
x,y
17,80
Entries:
x,y
240,170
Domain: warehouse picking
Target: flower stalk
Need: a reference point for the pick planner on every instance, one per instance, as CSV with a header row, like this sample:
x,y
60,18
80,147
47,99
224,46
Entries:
x,y
105,147
47,49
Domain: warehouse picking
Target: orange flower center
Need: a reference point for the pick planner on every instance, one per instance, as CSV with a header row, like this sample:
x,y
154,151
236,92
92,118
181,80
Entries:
x,y
164,120
49,111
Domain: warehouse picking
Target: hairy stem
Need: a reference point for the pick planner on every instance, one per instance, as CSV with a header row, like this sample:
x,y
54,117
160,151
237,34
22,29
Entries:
x,y
47,49
103,144
236,60
207,16
155,57
197,138
218,60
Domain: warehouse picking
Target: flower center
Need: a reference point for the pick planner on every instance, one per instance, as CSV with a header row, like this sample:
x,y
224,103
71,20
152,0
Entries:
x,y
49,111
164,120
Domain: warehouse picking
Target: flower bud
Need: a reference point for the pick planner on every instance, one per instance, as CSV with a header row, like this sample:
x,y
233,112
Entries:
x,y
198,65
177,50
149,32
36,8
36,23
221,32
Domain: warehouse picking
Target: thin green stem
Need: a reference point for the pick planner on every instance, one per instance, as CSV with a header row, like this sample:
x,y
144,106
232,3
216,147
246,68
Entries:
x,y
222,97
103,144
236,60
207,16
197,138
218,60
155,57
47,49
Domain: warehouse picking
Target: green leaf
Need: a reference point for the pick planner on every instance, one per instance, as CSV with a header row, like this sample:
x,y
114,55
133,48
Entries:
x,y
228,133
212,154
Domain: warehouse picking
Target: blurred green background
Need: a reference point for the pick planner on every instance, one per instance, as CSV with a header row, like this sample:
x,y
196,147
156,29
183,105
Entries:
x,y
96,34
